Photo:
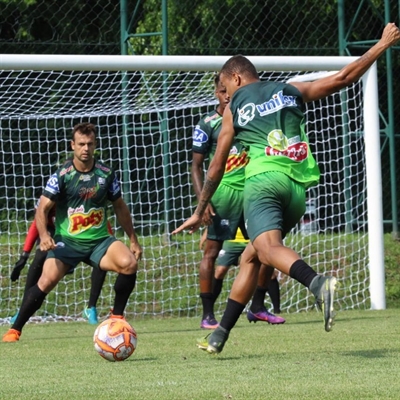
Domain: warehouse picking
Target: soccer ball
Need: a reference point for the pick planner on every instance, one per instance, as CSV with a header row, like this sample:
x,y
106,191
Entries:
x,y
114,339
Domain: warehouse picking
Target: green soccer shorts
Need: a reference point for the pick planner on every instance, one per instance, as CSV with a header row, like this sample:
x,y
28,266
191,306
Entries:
x,y
272,200
230,253
228,208
72,253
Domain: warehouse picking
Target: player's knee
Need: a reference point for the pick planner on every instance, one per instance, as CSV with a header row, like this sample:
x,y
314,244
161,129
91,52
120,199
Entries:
x,y
220,272
46,283
127,264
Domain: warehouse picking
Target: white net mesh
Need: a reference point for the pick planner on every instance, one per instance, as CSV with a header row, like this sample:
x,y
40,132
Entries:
x,y
145,122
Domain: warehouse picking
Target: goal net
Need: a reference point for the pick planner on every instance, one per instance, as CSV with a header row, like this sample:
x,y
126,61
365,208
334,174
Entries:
x,y
145,109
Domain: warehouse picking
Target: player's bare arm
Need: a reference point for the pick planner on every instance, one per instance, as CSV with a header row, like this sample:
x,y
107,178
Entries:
x,y
350,73
125,220
215,173
41,217
197,173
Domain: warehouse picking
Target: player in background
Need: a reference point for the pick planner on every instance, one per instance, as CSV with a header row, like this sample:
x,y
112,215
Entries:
x,y
229,256
269,117
224,214
35,269
82,189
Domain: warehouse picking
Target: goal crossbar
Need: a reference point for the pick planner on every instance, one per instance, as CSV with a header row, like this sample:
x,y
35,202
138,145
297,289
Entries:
x,y
177,65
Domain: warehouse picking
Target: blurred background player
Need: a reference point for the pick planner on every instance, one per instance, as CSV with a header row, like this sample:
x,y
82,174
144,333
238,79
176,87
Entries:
x,y
229,256
35,269
225,212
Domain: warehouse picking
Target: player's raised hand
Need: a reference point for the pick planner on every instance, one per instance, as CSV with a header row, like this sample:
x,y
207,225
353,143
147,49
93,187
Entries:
x,y
192,224
391,34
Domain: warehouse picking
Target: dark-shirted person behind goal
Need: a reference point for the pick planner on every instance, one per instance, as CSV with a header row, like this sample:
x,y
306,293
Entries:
x,y
268,118
82,189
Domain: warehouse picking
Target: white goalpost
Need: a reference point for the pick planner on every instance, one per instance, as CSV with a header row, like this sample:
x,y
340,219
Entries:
x,y
145,108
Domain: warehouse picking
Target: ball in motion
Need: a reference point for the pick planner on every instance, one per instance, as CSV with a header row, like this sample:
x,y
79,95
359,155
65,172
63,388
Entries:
x,y
115,339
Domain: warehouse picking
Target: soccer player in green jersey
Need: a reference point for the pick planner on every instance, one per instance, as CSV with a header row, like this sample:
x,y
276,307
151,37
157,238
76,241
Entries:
x,y
82,189
224,214
268,118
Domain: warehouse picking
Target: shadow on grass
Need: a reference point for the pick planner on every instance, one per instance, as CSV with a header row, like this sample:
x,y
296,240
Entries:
x,y
376,353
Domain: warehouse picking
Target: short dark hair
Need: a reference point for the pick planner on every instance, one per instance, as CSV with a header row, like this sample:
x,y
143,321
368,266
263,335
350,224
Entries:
x,y
216,79
85,128
240,65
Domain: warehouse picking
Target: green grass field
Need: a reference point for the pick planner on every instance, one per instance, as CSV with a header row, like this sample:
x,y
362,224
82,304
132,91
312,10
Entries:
x,y
359,359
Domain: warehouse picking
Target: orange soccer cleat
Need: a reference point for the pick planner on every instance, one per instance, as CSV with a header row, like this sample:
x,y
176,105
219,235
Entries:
x,y
12,335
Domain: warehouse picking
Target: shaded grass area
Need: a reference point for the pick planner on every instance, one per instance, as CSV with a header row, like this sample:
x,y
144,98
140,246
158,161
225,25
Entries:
x,y
359,359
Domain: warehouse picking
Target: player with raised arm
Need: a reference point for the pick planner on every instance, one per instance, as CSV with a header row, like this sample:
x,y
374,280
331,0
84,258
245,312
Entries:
x,y
82,189
268,118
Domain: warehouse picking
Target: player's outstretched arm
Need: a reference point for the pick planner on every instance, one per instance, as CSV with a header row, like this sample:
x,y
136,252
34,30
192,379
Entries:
x,y
214,175
125,220
350,73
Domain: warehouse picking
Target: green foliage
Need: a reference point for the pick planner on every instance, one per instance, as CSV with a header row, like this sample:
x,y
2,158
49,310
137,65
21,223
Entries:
x,y
392,263
359,359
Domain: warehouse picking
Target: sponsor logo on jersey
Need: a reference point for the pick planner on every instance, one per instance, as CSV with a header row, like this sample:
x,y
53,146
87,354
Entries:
x,y
52,185
79,221
246,114
66,170
277,140
85,178
115,186
199,137
296,152
276,103
102,167
216,122
211,117
87,193
236,161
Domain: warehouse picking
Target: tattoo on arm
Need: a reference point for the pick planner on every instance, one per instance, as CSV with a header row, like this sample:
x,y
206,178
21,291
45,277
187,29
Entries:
x,y
364,57
209,189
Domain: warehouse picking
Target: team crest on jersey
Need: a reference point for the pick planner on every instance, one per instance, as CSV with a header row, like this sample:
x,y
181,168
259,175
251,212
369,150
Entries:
x,y
79,221
101,181
199,137
246,114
